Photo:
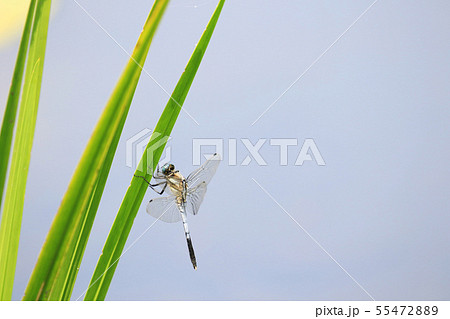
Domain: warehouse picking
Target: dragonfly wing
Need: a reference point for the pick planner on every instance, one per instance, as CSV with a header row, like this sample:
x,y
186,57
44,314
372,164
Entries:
x,y
164,209
195,198
205,172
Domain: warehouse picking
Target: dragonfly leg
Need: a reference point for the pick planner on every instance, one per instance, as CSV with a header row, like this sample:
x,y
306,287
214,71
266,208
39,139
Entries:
x,y
152,186
163,189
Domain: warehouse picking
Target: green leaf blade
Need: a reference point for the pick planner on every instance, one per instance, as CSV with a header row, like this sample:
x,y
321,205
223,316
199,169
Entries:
x,y
12,104
57,266
113,248
15,191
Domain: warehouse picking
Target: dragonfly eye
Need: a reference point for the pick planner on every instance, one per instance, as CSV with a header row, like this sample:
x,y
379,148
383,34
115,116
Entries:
x,y
165,169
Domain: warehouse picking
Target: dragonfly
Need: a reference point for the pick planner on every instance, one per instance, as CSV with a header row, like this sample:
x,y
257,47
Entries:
x,y
185,195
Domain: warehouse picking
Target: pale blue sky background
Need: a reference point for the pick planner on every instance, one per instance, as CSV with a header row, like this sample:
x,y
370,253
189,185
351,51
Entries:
x,y
376,104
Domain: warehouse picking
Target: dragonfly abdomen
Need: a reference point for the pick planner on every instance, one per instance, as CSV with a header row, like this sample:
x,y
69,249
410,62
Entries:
x,y
188,236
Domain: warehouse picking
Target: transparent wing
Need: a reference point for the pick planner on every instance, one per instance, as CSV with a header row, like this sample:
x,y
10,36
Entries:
x,y
164,209
205,172
195,198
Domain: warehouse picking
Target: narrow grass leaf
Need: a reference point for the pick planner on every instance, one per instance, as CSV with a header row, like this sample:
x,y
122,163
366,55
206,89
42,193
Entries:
x,y
120,230
90,216
55,272
9,118
20,161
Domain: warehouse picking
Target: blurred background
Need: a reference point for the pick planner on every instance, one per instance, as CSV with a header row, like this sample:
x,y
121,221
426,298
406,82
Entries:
x,y
376,105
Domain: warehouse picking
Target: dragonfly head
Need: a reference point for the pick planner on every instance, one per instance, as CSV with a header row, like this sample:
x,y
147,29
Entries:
x,y
167,169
